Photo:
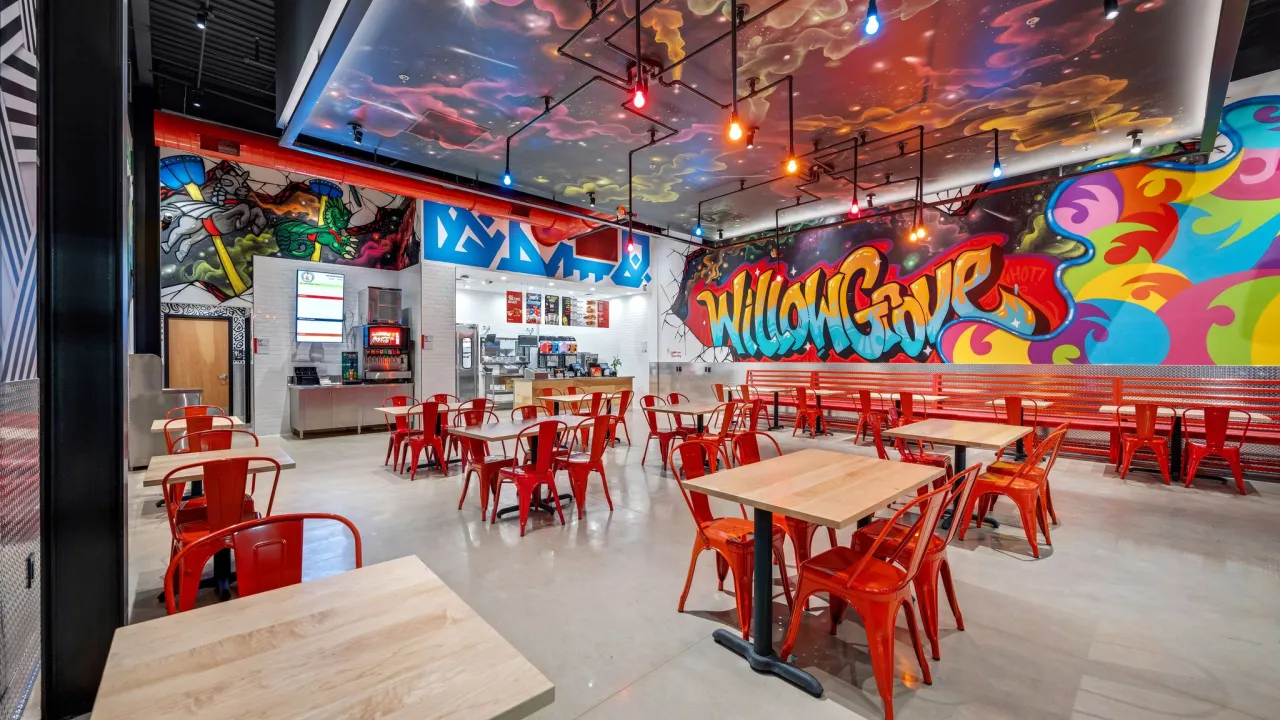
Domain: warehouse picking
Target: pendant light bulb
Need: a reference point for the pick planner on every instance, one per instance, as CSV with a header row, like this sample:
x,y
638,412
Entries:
x,y
996,169
735,128
873,19
506,177
792,165
697,230
638,100
854,207
1111,9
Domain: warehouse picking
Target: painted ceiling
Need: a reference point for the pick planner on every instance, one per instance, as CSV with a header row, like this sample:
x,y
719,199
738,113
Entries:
x,y
442,83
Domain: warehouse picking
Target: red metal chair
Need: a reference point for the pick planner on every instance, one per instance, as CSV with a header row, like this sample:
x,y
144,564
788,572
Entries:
x,y
935,567
752,411
469,413
869,414
664,435
877,585
917,456
805,415
398,427
597,434
445,398
1025,488
1214,424
268,553
476,459
676,398
744,390
1012,468
621,402
573,390
192,508
1014,410
753,446
193,410
175,428
720,428
432,414
732,539
593,405
539,442
541,394
718,389
528,412
1147,424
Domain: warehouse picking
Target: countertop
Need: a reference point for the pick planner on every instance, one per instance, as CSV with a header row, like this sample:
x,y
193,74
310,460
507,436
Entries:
x,y
343,386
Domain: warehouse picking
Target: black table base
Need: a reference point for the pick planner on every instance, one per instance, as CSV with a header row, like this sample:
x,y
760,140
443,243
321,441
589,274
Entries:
x,y
776,425
759,652
961,462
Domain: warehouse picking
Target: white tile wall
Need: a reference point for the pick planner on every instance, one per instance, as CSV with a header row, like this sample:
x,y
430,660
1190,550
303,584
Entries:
x,y
628,337
411,284
437,360
274,308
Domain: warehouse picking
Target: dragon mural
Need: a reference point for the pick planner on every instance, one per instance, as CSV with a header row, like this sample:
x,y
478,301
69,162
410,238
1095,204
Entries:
x,y
1134,263
216,216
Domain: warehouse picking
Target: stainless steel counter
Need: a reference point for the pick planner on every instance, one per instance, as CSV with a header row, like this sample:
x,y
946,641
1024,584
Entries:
x,y
315,408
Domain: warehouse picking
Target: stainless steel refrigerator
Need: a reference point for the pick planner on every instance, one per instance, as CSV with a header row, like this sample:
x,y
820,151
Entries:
x,y
469,362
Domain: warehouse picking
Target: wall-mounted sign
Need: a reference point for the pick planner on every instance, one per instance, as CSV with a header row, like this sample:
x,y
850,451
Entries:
x,y
319,307
602,313
515,306
551,310
589,318
566,310
533,308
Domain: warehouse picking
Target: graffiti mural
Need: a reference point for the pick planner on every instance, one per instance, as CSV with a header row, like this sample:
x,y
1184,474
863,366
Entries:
x,y
216,216
1151,263
461,237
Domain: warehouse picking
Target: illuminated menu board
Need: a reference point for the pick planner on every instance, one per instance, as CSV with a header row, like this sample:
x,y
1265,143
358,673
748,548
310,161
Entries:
x,y
319,308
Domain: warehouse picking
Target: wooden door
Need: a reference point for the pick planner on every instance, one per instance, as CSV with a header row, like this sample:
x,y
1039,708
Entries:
x,y
198,354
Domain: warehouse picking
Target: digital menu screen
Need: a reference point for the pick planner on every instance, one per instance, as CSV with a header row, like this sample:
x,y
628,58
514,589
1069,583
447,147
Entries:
x,y
319,307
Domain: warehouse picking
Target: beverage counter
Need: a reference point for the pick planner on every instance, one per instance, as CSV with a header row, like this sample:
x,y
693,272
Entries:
x,y
315,408
526,390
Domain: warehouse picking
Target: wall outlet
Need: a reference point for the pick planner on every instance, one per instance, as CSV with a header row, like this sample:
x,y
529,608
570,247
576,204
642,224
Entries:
x,y
679,368
706,369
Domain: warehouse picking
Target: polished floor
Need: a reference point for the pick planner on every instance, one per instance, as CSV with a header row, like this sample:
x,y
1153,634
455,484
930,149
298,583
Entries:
x,y
1153,603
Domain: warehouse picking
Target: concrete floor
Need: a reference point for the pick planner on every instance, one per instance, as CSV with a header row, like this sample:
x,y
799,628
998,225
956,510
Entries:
x,y
1154,602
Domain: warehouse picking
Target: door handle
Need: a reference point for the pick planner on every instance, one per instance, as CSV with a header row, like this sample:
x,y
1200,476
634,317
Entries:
x,y
223,376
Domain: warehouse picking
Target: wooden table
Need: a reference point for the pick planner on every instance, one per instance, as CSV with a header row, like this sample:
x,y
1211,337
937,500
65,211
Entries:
x,y
160,465
407,410
961,434
389,640
777,391
698,410
511,429
180,424
818,486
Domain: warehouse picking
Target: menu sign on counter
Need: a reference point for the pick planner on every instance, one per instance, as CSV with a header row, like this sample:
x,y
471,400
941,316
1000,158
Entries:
x,y
533,308
551,310
515,306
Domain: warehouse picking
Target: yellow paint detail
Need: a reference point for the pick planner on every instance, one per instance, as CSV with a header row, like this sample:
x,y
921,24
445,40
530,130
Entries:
x,y
1266,344
1005,348
1121,283
1194,184
194,191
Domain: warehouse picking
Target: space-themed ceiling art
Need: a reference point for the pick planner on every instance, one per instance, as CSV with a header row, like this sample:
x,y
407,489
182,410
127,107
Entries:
x,y
544,97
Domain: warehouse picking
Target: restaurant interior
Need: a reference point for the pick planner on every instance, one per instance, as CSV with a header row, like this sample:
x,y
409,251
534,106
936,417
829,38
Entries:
x,y
449,359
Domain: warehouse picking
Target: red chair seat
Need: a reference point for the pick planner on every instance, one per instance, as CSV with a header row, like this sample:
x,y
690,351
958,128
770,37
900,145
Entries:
x,y
734,530
196,529
895,537
193,509
837,563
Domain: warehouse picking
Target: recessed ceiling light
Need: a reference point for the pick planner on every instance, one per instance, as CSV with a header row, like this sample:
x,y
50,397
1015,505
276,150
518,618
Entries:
x,y
504,277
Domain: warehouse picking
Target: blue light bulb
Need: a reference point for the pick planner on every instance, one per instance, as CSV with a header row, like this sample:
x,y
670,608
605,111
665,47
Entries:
x,y
506,178
873,25
698,231
996,170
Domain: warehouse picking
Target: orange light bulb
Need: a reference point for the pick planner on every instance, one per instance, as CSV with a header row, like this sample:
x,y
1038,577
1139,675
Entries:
x,y
735,127
792,166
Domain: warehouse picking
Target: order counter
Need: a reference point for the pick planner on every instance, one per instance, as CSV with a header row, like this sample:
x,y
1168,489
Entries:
x,y
526,390
315,408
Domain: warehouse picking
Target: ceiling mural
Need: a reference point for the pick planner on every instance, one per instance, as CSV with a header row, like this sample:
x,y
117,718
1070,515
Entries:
x,y
444,83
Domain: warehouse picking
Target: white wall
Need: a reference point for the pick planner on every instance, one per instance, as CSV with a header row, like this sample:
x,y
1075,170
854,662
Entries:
x,y
627,337
437,360
274,316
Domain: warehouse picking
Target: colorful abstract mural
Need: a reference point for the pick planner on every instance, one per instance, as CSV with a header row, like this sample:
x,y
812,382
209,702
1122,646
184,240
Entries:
x,y
1135,263
216,216
461,237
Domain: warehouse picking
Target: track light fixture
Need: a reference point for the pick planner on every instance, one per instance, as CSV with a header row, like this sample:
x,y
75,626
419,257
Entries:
x,y
1136,147
751,138
622,213
872,25
202,18
720,234
1110,9
735,127
592,198
196,96
357,133
871,201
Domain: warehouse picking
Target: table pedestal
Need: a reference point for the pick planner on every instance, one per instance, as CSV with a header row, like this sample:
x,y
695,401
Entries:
x,y
961,462
759,652
776,425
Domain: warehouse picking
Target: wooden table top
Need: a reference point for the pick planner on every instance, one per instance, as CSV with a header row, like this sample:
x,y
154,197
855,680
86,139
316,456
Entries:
x,y
689,408
180,424
162,464
389,640
1039,404
770,389
819,486
570,398
983,435
1167,411
508,429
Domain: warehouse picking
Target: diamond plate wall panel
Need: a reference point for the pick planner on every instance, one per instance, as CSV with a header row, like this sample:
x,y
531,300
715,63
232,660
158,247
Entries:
x,y
19,542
